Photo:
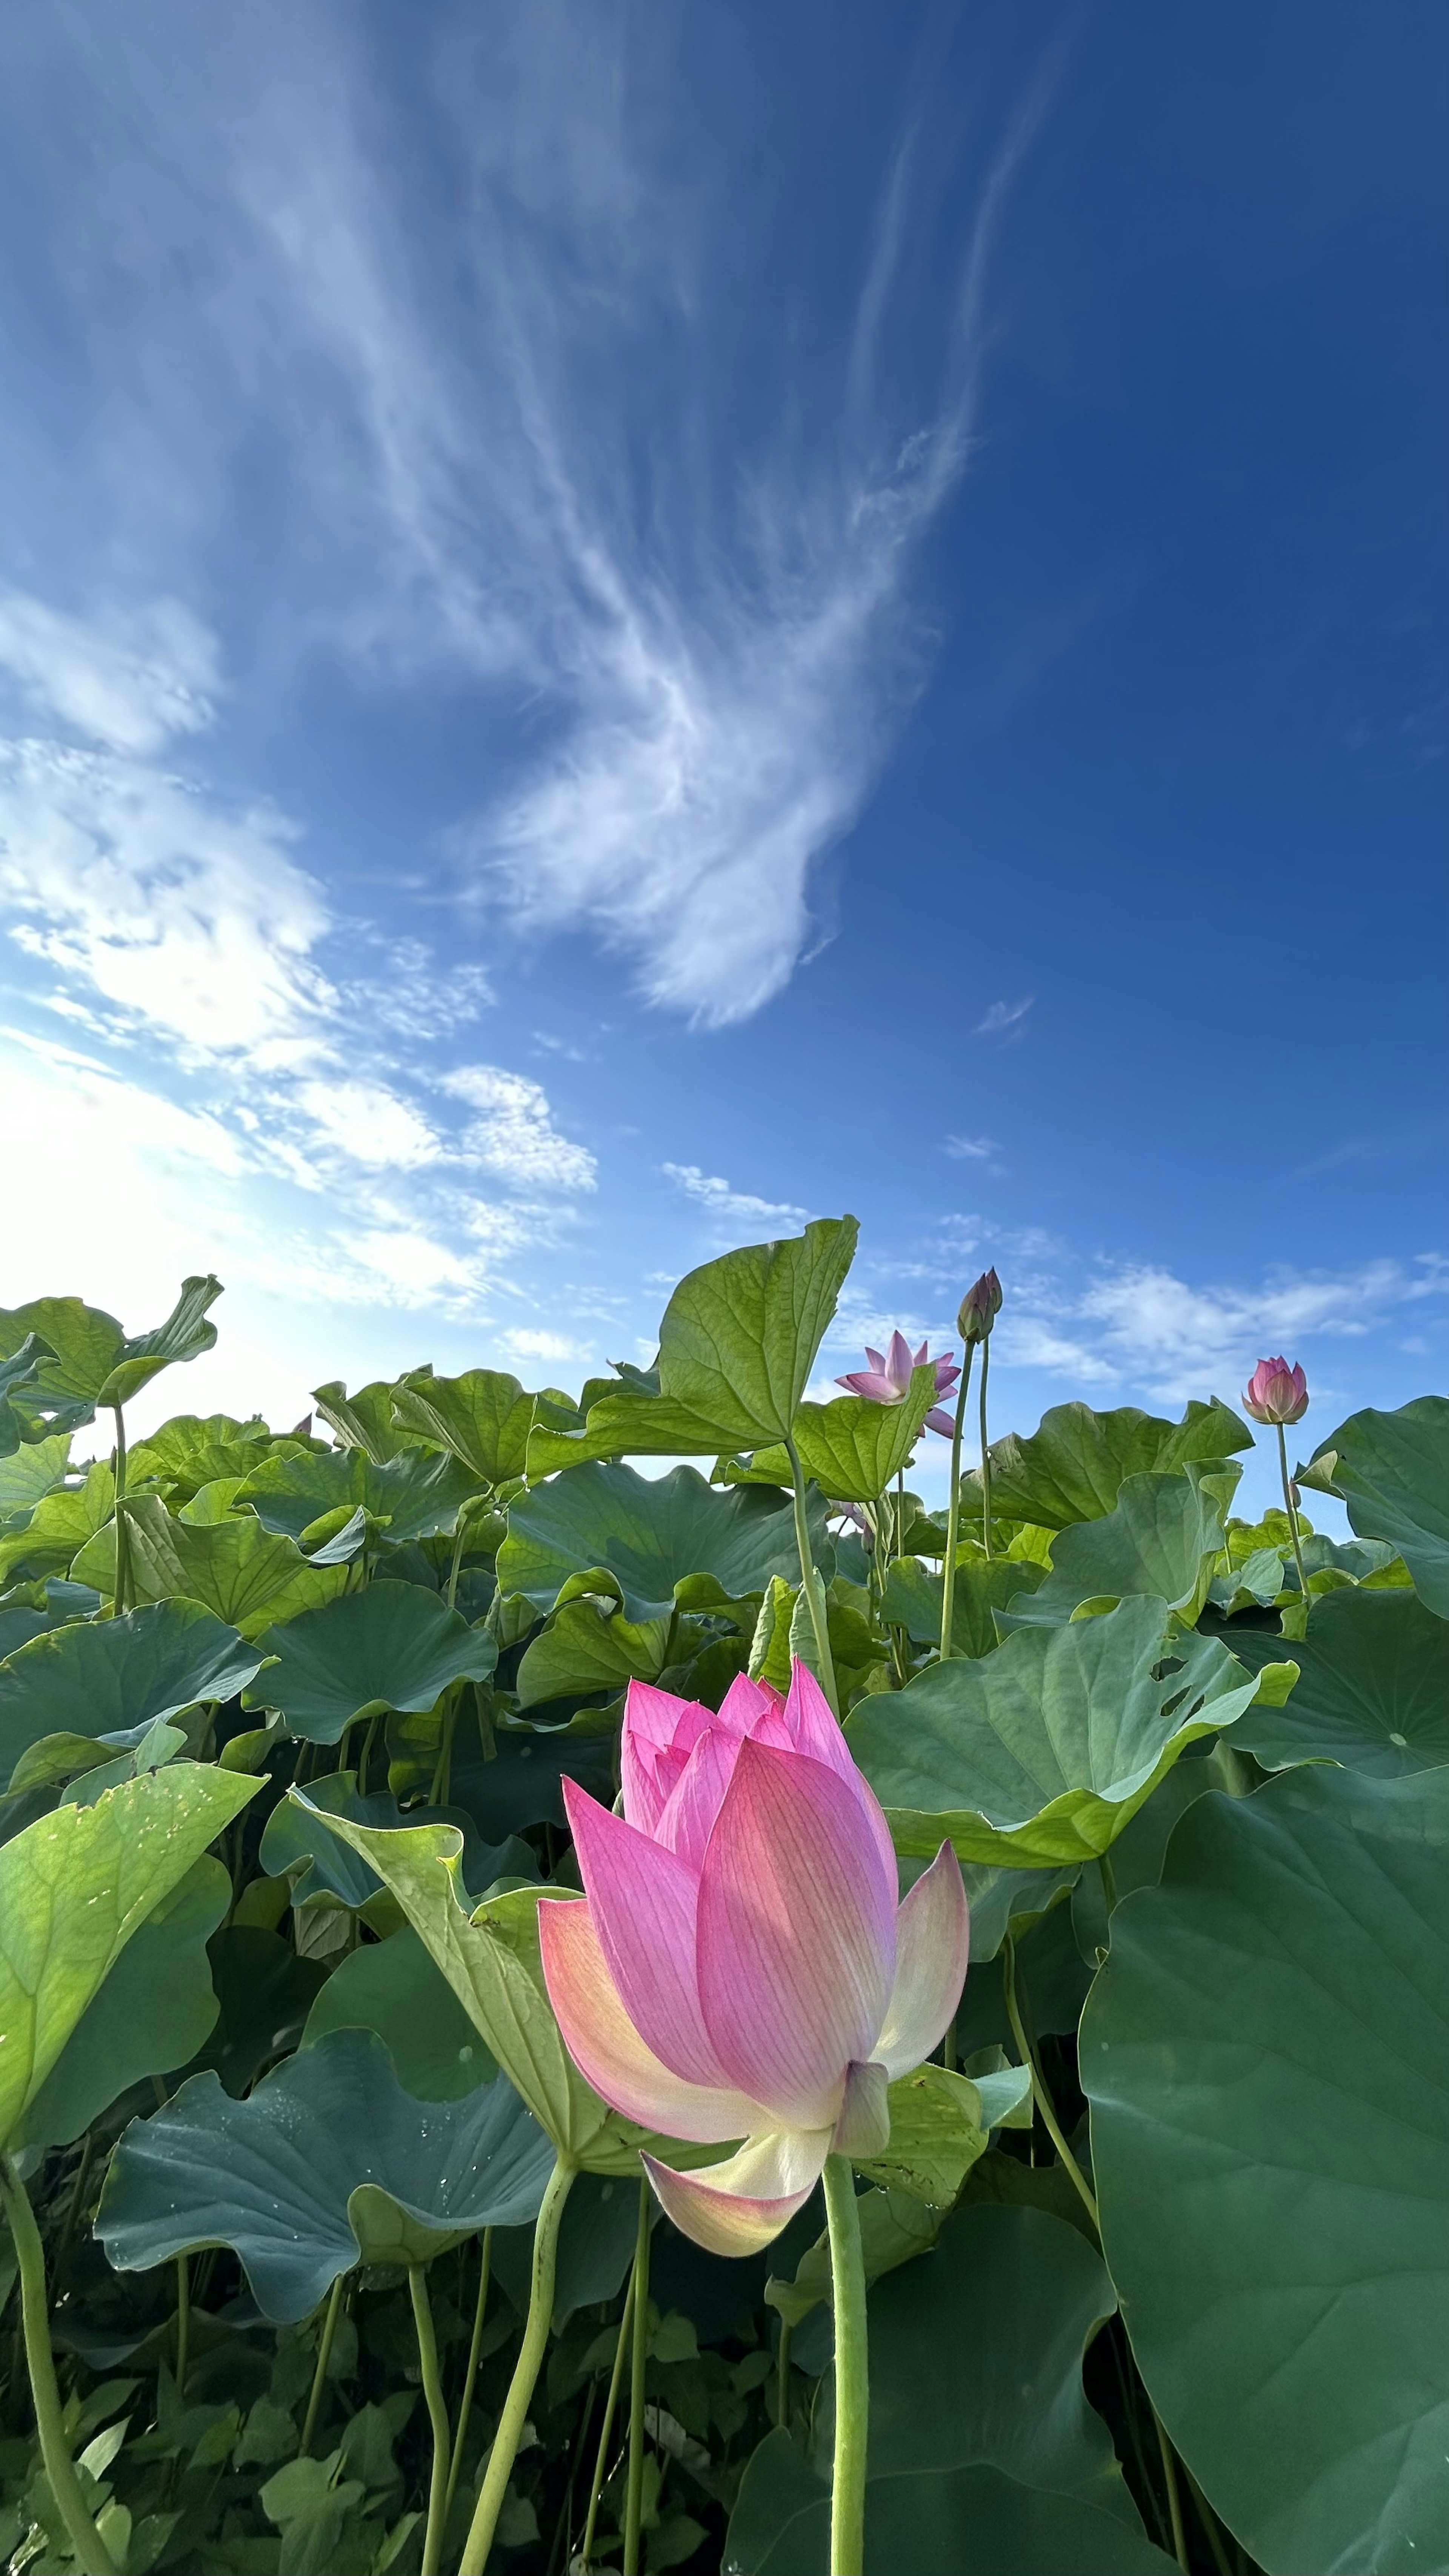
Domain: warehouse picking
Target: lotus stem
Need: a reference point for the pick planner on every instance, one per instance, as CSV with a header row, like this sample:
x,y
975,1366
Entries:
x,y
121,1599
526,2370
782,2390
1039,2092
953,1512
65,2486
183,2322
437,2417
611,2404
639,2354
985,1454
852,2373
1174,2497
324,2355
813,1587
470,2374
1292,1511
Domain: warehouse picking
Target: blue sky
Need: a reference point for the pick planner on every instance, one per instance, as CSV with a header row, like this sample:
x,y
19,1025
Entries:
x,y
617,626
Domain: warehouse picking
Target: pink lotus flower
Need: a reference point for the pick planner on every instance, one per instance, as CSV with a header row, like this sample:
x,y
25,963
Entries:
x,y
979,1308
1276,1393
888,1378
741,1968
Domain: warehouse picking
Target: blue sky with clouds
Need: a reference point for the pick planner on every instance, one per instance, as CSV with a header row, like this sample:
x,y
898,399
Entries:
x,y
618,625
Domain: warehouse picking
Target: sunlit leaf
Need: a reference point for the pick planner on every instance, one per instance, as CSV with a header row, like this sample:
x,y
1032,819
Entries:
x,y
235,1568
414,1495
1162,1536
651,1533
1392,1470
1372,1689
1073,1466
483,1418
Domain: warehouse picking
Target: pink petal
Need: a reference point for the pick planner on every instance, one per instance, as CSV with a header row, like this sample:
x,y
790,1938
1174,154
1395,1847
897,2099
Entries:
x,y
899,1364
607,2049
796,1939
643,1900
746,1702
933,1941
864,2125
688,1819
918,1358
649,1763
873,1384
876,1358
741,2205
945,1423
815,1729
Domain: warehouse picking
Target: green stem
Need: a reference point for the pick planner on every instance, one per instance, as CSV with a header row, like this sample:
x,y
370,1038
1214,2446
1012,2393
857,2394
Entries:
x,y
1209,2521
459,1536
76,2201
1109,1882
470,2375
442,1780
985,1456
121,1601
1292,1511
900,1528
814,1590
852,2371
1040,2095
525,2375
611,2404
634,2492
65,2486
1174,2497
782,2390
324,2355
953,1511
437,2417
183,2323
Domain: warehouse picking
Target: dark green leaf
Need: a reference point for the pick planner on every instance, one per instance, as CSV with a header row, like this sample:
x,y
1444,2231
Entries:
x,y
1392,1470
584,1649
393,1987
913,1600
299,1837
232,1567
1372,1689
651,1533
1163,1536
265,1992
411,1496
391,1646
119,1676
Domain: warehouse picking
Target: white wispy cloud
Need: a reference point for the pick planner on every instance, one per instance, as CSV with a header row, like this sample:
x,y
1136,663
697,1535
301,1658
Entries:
x,y
734,1207
1178,1339
513,1133
1003,1019
971,1149
131,681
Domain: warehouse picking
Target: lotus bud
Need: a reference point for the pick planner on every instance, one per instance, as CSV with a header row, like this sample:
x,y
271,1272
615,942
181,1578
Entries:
x,y
1276,1393
979,1308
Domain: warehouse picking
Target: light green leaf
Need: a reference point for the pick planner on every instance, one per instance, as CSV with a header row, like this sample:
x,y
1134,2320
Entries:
x,y
631,1424
117,1676
155,2010
412,1496
1372,1689
984,2453
364,1420
937,2133
185,1334
483,1418
584,1648
895,2226
299,1841
392,1646
328,2163
854,1449
392,1987
1392,1470
1041,1752
235,1568
85,1342
652,1534
193,1449
1162,1537
1265,2054
1073,1466
30,1471
913,1600
59,1526
74,1886
739,1336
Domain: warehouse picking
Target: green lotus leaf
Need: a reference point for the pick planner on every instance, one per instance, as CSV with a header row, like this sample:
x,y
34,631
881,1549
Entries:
x,y
651,1533
739,1336
1073,1466
264,1992
299,1837
118,1676
414,1495
74,1887
27,1473
937,2133
984,2452
1372,1689
584,1649
392,1646
155,2010
520,1782
235,1568
854,1449
393,1988
186,1333
1265,2055
329,2163
1040,1753
63,1520
1163,1536
913,1600
1392,1470
364,1420
482,1418
192,1450
631,1424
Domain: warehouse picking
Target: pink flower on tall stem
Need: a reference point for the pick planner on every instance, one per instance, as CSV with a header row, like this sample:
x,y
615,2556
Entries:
x,y
888,1378
741,1967
1276,1393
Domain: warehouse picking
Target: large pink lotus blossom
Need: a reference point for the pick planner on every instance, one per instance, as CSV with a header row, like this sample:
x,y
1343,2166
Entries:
x,y
741,1968
888,1378
1276,1393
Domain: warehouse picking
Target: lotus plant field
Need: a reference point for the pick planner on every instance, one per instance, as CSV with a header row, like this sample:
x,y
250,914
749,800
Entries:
x,y
563,2009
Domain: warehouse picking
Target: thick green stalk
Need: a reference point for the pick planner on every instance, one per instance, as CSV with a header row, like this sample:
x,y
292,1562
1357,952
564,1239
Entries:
x,y
1040,2094
1174,2498
183,2323
634,2492
91,2551
526,2370
814,1589
852,2371
324,2355
985,1455
470,2375
437,2418
782,2389
611,2404
1292,1511
121,1600
953,1511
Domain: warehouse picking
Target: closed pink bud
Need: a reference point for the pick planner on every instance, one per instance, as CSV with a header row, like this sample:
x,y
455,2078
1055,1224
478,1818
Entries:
x,y
1276,1393
979,1308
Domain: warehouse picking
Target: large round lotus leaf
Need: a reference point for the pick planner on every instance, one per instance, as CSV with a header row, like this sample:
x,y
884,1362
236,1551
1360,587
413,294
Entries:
x,y
1372,1689
118,1676
393,1987
1041,1752
1072,1467
1268,2066
650,1533
280,2176
985,2457
392,1646
1393,1472
155,2010
483,1417
1162,1536
416,1494
264,1991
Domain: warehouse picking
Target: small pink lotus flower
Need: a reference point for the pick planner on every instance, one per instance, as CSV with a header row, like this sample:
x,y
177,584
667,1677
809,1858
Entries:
x,y
741,1968
888,1378
1276,1393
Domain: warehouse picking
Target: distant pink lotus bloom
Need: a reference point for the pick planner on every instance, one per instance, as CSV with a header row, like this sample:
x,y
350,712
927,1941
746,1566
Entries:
x,y
1276,1393
740,1967
888,1378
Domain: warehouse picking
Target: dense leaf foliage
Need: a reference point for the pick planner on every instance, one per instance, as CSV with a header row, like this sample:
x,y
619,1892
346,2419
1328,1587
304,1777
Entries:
x,y
1155,2245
